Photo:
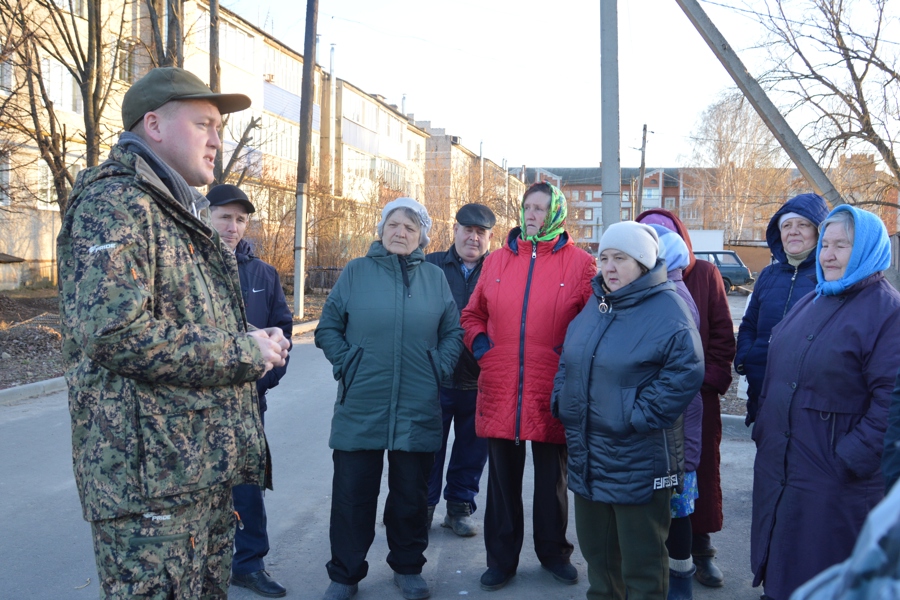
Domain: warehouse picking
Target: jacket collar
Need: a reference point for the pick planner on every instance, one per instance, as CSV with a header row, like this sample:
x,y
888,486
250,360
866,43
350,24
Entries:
x,y
635,292
549,247
377,250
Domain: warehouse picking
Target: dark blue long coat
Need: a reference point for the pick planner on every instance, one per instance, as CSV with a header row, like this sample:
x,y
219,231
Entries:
x,y
820,431
779,287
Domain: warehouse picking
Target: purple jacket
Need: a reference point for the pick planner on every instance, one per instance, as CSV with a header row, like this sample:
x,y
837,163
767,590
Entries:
x,y
820,431
693,414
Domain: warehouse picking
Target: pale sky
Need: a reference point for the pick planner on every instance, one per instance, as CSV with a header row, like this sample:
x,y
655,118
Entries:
x,y
525,81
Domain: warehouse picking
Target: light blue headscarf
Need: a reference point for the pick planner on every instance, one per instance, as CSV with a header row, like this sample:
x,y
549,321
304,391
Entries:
x,y
672,248
871,252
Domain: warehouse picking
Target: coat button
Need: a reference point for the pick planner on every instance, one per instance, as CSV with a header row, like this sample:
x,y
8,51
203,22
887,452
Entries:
x,y
810,337
787,434
794,385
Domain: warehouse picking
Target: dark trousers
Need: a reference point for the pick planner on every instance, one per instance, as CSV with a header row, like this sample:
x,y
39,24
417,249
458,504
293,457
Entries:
x,y
469,452
504,518
625,547
251,544
354,504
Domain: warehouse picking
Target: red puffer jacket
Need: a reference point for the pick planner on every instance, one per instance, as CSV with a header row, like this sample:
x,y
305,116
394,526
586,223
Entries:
x,y
524,302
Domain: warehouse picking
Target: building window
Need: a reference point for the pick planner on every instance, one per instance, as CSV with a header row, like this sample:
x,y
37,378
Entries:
x,y
76,7
582,214
125,67
6,78
670,203
574,194
62,88
4,179
46,194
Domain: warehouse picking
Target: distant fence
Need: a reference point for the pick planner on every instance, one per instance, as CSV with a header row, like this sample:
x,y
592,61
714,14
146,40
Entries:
x,y
322,278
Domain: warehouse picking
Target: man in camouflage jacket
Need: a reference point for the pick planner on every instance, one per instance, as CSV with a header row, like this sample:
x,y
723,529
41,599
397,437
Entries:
x,y
160,366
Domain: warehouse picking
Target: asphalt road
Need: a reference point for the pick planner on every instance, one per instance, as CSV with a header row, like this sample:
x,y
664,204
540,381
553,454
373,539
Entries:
x,y
46,546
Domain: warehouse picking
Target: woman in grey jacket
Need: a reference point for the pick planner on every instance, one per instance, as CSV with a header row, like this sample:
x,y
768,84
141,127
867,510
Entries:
x,y
391,330
631,363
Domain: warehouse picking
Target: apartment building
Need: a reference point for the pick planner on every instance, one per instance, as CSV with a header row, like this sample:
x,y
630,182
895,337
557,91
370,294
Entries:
x,y
365,151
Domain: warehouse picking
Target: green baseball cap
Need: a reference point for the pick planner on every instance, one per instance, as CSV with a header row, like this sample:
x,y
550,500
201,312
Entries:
x,y
165,84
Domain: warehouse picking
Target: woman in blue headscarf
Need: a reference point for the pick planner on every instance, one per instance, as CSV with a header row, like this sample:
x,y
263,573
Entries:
x,y
823,408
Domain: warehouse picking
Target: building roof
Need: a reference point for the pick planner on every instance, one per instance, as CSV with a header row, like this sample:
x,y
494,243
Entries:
x,y
8,258
592,175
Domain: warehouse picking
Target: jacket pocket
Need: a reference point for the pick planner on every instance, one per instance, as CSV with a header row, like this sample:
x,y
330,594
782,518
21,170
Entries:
x,y
349,369
434,368
186,440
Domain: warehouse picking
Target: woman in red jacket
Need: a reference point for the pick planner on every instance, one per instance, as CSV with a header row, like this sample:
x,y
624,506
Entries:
x,y
515,324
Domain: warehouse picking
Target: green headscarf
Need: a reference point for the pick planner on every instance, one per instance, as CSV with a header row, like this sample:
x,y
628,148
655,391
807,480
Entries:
x,y
554,222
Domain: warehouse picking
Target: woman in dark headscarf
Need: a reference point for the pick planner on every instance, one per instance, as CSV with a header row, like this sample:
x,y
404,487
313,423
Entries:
x,y
792,235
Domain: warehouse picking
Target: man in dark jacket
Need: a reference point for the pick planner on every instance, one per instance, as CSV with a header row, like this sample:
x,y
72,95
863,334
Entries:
x,y
462,267
266,306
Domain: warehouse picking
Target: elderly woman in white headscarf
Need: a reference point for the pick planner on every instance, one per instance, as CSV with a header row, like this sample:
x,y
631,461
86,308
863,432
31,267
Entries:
x,y
390,328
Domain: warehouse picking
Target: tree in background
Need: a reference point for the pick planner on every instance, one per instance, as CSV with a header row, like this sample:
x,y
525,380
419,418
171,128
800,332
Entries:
x,y
838,64
739,175
68,58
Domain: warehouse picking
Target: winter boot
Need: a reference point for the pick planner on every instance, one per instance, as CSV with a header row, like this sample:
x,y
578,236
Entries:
x,y
681,586
708,573
459,519
340,591
412,587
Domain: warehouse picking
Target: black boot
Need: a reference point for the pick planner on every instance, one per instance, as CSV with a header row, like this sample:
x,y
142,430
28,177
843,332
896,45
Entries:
x,y
708,573
681,586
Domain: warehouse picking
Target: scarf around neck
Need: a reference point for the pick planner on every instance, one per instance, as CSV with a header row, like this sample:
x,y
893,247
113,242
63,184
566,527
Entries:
x,y
555,221
186,195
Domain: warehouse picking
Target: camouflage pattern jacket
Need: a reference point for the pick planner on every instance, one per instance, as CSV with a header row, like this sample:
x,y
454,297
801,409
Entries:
x,y
160,370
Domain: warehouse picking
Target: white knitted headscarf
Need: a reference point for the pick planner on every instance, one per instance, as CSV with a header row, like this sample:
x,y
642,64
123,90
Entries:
x,y
421,212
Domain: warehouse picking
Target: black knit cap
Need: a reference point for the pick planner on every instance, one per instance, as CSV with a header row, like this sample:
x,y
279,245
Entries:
x,y
476,215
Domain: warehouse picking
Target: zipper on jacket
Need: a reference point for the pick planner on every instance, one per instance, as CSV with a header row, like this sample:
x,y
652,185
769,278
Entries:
x,y
522,340
790,291
665,433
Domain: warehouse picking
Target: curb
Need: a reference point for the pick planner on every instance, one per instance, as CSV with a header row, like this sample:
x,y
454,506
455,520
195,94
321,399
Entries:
x,y
32,390
733,428
58,384
301,328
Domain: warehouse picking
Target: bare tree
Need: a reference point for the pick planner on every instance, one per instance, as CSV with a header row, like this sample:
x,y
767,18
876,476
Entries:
x,y
167,18
80,44
739,174
838,62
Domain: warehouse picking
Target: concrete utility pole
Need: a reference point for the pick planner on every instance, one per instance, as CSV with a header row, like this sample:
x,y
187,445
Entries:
x,y
304,156
767,111
610,167
637,203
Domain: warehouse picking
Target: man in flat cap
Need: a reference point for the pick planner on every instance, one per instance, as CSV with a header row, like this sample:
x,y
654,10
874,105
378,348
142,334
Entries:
x,y
462,267
266,306
160,363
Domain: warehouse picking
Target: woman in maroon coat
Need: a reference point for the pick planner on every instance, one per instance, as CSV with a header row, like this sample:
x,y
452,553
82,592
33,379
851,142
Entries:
x,y
515,324
717,333
823,409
